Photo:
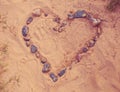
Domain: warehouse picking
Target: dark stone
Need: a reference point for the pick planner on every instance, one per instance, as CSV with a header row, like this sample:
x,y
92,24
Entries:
x,y
46,67
84,49
62,72
57,20
33,48
80,14
43,59
29,20
45,14
25,30
53,77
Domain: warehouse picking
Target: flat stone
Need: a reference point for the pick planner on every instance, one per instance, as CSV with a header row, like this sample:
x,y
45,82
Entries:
x,y
33,48
62,72
29,20
53,77
37,12
25,31
46,67
80,14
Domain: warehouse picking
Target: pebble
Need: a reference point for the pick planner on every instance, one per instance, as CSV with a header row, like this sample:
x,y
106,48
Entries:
x,y
99,31
37,12
37,54
78,57
95,22
70,16
25,30
53,77
57,20
27,43
43,60
80,14
91,43
29,20
84,49
27,38
62,72
33,48
46,67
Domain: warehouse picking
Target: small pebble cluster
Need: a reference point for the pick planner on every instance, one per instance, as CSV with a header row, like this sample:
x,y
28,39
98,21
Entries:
x,y
33,49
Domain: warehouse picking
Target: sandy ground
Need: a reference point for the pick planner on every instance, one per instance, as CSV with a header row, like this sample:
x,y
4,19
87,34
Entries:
x,y
99,70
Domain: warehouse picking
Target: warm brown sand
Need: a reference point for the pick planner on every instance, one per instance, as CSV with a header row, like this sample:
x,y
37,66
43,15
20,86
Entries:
x,y
99,70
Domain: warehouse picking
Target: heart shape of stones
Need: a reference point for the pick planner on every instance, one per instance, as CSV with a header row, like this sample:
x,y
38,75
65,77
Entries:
x,y
95,22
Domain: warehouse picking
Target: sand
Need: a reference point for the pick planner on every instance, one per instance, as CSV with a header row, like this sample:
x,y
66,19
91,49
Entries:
x,y
20,70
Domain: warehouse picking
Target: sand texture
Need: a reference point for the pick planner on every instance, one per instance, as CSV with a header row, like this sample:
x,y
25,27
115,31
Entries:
x,y
20,70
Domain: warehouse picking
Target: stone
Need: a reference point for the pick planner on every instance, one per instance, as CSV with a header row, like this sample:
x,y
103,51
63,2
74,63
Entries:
x,y
27,43
70,16
62,72
53,77
84,49
37,54
46,67
95,22
78,57
80,14
91,43
37,12
25,31
27,38
29,20
43,59
33,49
57,19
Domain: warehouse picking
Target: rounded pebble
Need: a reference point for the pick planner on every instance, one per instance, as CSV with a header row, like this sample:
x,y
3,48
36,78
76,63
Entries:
x,y
80,14
96,22
37,12
29,20
27,38
43,60
53,77
78,57
27,43
91,43
33,48
46,67
84,49
62,72
25,30
37,54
